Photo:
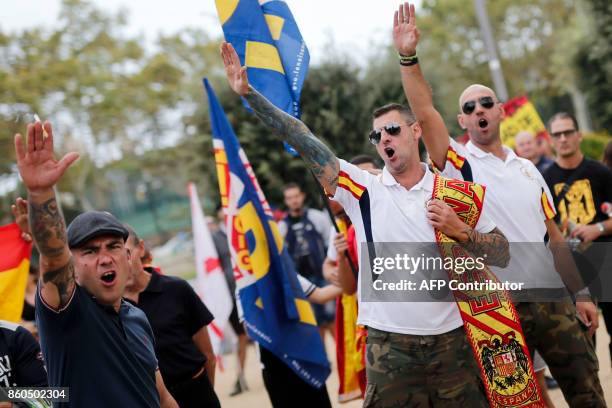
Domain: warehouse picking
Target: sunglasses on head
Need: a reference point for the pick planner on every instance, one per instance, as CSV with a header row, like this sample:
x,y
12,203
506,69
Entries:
x,y
392,129
486,102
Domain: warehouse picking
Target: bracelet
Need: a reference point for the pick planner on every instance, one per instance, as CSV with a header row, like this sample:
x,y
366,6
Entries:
x,y
408,60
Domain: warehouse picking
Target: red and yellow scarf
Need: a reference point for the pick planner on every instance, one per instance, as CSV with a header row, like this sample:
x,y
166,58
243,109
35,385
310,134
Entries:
x,y
489,317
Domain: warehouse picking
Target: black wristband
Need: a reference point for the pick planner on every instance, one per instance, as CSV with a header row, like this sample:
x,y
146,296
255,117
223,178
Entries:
x,y
408,60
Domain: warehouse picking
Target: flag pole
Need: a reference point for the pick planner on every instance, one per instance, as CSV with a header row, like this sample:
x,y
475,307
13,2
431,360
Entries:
x,y
333,220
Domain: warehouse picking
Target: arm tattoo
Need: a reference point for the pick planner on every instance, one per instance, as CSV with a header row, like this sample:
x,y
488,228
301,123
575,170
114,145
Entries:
x,y
317,155
493,246
49,232
63,279
48,228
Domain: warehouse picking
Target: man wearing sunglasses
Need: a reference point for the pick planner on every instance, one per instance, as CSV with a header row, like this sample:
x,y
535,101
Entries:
x,y
426,338
580,186
519,203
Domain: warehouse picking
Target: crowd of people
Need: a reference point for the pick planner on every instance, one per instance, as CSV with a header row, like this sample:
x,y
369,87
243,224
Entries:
x,y
119,332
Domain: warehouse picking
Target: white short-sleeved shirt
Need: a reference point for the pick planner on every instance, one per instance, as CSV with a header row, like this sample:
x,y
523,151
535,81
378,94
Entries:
x,y
518,202
381,210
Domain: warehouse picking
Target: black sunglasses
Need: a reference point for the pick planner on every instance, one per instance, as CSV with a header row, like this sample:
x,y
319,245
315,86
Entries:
x,y
486,102
566,133
392,129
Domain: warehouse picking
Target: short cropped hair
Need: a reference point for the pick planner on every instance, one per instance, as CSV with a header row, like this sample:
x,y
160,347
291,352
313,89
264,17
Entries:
x,y
133,235
563,115
363,159
291,185
404,110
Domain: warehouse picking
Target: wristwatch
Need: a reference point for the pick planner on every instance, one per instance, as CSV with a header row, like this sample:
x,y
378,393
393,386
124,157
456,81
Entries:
x,y
600,227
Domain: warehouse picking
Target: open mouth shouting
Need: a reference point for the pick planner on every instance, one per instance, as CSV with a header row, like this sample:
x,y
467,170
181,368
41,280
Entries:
x,y
389,151
482,123
108,278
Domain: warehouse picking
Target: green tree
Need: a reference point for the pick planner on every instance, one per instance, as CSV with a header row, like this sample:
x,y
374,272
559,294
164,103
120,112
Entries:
x,y
594,62
107,96
453,55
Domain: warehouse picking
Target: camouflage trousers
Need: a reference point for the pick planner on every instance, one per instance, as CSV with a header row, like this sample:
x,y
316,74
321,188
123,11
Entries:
x,y
422,371
553,329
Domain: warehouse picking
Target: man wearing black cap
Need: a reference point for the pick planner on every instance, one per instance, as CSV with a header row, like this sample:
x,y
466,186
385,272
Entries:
x,y
93,342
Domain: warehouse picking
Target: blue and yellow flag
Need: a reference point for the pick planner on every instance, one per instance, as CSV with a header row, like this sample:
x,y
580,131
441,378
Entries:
x,y
276,312
269,43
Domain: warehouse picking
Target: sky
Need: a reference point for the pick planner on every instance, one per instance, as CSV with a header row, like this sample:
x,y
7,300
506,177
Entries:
x,y
356,26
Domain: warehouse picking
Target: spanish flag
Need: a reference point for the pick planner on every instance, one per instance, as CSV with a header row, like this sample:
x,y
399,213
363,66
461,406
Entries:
x,y
350,338
521,115
14,265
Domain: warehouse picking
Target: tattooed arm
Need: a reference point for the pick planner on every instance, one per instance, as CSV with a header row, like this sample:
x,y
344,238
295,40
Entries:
x,y
49,231
317,155
492,246
40,172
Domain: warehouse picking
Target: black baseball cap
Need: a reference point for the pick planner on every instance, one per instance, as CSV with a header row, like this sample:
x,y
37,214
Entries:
x,y
92,224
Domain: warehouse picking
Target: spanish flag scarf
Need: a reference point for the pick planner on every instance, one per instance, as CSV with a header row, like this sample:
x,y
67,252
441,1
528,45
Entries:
x,y
489,317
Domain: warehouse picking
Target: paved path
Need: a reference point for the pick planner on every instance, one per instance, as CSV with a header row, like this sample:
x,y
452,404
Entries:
x,y
257,396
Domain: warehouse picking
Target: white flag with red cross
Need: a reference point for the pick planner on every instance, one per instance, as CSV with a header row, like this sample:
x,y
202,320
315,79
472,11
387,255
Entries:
x,y
211,281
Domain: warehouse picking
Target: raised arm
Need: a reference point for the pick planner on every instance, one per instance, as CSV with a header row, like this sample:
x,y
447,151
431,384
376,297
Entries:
x,y
405,38
317,155
40,172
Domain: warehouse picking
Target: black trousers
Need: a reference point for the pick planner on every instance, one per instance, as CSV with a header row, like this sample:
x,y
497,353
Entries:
x,y
195,393
286,389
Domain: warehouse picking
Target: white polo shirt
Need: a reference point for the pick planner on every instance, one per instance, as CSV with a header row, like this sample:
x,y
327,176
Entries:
x,y
383,211
518,202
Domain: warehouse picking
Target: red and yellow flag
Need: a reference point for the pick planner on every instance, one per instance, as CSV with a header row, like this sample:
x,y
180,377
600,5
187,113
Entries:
x,y
521,115
350,338
14,265
491,322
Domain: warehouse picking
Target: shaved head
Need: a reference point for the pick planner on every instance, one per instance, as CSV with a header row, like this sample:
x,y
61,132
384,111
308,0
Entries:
x,y
525,146
482,118
475,88
524,135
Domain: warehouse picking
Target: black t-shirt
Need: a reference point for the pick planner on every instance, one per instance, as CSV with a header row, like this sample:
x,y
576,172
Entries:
x,y
225,257
176,313
582,202
21,362
107,358
28,313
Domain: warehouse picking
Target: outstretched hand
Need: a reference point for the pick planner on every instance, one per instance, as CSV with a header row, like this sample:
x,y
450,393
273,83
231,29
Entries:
x,y
405,32
37,166
236,74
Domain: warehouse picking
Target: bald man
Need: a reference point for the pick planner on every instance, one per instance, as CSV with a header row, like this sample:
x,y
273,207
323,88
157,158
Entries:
x,y
520,204
526,146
